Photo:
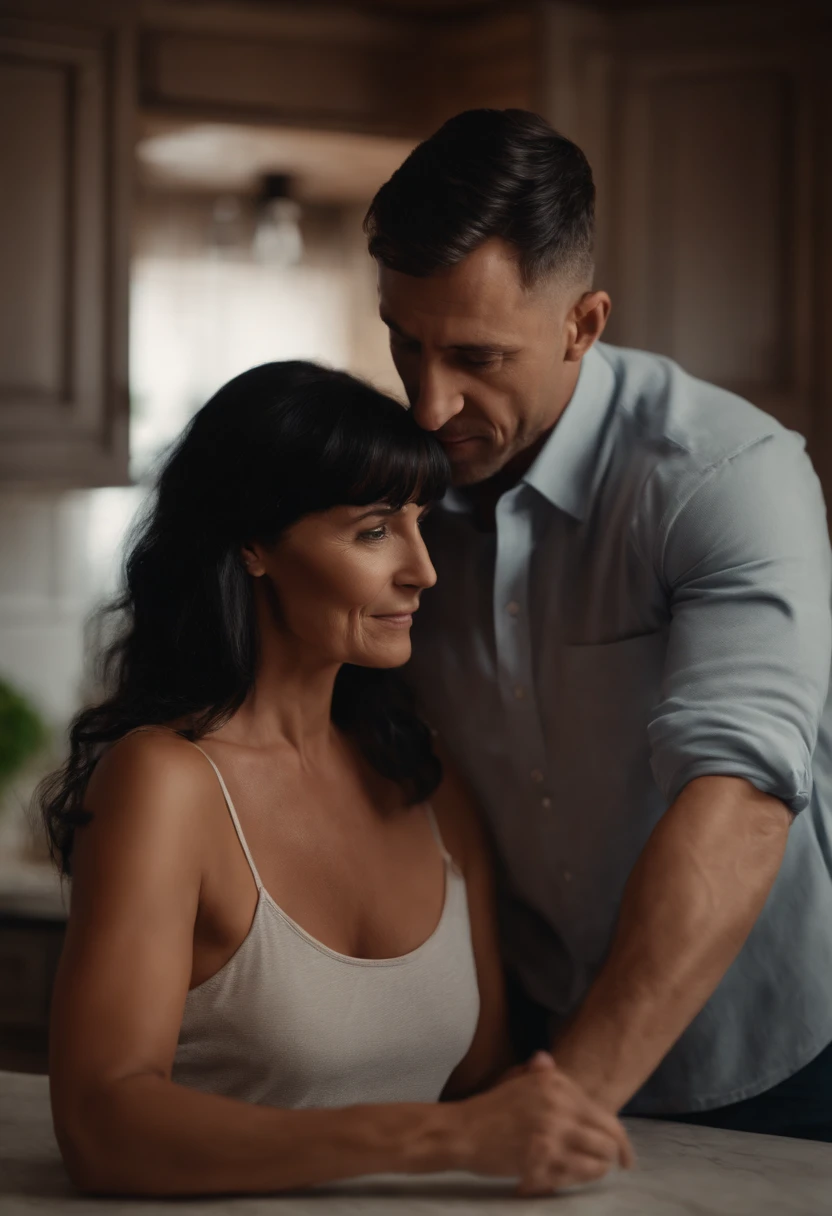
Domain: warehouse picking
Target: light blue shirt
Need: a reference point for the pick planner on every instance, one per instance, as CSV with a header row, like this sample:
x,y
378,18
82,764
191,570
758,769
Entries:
x,y
653,607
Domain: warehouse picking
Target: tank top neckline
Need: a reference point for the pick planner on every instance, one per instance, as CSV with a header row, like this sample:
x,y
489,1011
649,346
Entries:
x,y
264,899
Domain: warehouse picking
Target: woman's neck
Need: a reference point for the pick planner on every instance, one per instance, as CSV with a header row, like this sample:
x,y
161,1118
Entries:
x,y
291,700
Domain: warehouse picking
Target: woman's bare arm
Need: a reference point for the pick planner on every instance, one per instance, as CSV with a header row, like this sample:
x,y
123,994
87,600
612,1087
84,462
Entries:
x,y
462,830
121,1122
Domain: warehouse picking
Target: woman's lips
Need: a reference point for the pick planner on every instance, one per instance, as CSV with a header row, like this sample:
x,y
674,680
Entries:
x,y
399,620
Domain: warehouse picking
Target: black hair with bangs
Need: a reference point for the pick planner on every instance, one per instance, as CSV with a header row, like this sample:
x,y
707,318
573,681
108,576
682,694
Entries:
x,y
276,443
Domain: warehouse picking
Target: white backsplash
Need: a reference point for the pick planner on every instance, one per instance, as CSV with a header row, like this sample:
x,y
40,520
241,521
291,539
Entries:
x,y
60,554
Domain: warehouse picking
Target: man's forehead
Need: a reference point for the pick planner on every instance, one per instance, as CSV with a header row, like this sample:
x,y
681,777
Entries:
x,y
487,275
482,293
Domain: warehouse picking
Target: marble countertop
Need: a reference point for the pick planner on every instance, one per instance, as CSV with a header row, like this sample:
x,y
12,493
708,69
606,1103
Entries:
x,y
692,1171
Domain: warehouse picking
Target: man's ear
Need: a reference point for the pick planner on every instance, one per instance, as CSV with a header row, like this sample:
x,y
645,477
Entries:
x,y
586,323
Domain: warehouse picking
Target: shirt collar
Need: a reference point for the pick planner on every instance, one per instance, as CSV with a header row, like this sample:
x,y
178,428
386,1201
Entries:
x,y
563,469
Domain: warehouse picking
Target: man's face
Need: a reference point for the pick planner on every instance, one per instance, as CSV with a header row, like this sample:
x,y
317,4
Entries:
x,y
486,362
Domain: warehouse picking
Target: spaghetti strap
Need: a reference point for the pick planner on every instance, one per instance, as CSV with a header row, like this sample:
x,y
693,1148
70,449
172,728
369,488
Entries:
x,y
232,812
437,835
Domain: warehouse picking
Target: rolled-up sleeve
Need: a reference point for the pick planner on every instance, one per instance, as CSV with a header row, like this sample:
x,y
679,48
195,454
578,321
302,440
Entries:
x,y
744,555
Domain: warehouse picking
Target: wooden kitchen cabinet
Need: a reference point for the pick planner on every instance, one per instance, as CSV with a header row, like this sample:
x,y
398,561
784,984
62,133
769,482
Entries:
x,y
708,133
66,152
379,68
707,127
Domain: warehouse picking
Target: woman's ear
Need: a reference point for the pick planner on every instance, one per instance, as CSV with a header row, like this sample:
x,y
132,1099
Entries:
x,y
253,560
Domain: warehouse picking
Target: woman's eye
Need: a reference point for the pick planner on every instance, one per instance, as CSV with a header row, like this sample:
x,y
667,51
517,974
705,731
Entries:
x,y
378,533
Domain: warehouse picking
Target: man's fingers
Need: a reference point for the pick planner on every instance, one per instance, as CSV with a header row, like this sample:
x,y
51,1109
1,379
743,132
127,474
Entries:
x,y
592,1143
627,1158
600,1120
545,1179
583,1168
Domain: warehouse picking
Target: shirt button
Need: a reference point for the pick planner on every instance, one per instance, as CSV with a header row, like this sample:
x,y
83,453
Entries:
x,y
513,608
536,776
567,875
519,692
546,803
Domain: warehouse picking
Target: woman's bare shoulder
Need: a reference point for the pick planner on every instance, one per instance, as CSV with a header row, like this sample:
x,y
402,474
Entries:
x,y
153,774
147,753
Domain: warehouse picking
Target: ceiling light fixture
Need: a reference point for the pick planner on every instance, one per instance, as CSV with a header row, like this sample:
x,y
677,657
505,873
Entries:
x,y
277,235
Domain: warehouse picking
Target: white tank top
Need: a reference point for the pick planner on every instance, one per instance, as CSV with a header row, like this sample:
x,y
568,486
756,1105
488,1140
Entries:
x,y
288,1022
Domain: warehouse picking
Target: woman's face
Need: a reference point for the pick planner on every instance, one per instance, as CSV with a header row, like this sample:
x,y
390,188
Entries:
x,y
348,580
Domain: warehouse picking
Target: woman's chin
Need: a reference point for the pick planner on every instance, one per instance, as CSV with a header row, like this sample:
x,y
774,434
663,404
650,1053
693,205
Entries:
x,y
391,655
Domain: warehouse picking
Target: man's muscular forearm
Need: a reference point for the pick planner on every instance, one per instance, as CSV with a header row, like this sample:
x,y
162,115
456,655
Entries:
x,y
689,905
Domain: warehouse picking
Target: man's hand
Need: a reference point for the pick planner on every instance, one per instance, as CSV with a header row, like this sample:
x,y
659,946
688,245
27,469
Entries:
x,y
689,905
537,1125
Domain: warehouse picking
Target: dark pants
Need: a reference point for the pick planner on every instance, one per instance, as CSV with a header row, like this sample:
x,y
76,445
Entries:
x,y
800,1106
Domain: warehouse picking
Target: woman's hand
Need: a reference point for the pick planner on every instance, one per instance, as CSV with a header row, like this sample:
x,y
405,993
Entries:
x,y
539,1126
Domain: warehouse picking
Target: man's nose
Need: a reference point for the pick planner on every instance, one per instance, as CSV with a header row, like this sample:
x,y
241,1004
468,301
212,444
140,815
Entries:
x,y
437,401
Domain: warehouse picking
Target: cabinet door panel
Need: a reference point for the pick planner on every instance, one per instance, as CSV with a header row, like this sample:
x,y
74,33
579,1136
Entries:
x,y
63,248
724,242
34,237
708,135
712,231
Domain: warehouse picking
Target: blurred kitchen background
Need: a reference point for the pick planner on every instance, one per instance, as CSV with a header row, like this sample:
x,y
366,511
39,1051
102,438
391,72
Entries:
x,y
182,184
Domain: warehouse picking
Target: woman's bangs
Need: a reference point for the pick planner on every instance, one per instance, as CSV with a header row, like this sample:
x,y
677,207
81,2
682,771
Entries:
x,y
393,467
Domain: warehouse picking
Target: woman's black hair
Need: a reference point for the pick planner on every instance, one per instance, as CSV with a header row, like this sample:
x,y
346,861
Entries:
x,y
276,443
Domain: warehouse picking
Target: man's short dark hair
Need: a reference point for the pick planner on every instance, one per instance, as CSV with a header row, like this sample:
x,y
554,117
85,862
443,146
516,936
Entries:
x,y
484,174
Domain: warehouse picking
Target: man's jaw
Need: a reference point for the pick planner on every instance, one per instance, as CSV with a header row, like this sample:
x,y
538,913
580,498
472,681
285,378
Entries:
x,y
470,473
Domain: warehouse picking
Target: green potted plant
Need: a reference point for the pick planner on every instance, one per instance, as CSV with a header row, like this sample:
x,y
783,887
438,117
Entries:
x,y
22,734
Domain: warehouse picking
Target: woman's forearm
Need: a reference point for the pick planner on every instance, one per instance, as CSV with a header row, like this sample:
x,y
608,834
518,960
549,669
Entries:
x,y
146,1135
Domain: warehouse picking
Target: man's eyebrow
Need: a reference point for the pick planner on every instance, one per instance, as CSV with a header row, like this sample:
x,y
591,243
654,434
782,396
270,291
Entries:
x,y
472,347
397,329
494,348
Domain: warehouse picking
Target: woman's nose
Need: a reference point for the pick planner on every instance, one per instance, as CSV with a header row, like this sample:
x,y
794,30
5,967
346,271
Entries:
x,y
419,571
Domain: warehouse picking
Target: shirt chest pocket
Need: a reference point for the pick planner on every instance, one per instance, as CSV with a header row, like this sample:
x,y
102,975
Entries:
x,y
604,695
